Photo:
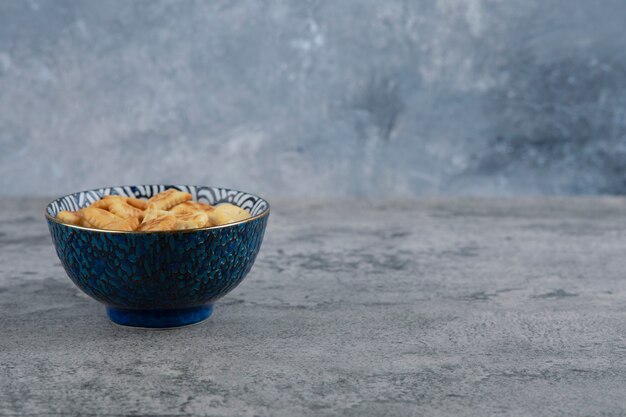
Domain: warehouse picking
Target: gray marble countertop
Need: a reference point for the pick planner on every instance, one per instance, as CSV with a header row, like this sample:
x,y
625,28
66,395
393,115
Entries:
x,y
429,307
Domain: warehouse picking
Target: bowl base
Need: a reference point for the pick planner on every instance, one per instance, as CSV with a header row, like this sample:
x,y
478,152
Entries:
x,y
159,319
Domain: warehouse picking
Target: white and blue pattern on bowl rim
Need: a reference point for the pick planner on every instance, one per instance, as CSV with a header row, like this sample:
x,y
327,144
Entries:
x,y
253,204
159,279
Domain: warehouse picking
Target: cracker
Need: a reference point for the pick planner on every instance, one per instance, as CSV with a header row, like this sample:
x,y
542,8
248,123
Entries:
x,y
98,217
191,207
188,221
124,210
125,225
169,198
107,200
83,221
138,203
160,223
183,208
74,218
152,212
103,204
69,217
226,213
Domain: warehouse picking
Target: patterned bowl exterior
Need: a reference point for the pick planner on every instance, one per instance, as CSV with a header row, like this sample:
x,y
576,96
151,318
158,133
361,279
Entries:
x,y
159,270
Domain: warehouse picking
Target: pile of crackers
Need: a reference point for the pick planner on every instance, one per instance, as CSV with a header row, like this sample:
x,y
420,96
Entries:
x,y
169,210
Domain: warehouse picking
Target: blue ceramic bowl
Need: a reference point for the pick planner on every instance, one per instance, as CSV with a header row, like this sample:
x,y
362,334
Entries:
x,y
159,279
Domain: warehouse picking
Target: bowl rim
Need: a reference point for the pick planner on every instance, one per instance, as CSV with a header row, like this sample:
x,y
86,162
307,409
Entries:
x,y
265,212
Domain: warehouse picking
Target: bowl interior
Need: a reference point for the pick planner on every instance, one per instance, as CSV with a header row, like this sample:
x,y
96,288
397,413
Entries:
x,y
255,205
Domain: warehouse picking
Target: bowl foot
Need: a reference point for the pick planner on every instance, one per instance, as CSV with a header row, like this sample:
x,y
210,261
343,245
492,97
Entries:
x,y
159,319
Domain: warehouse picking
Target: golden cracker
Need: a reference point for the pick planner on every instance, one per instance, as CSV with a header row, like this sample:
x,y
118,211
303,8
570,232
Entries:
x,y
159,224
200,205
106,201
69,217
99,217
125,225
138,203
169,198
227,213
83,221
191,207
125,210
183,208
152,212
188,221
103,204
74,218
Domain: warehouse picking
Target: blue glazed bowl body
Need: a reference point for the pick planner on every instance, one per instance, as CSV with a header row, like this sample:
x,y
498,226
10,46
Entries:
x,y
159,279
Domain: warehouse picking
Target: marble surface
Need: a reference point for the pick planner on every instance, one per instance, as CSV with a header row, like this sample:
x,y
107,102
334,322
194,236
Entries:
x,y
393,98
430,307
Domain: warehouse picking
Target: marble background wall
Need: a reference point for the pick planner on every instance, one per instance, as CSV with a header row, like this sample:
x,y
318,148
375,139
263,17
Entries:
x,y
323,98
